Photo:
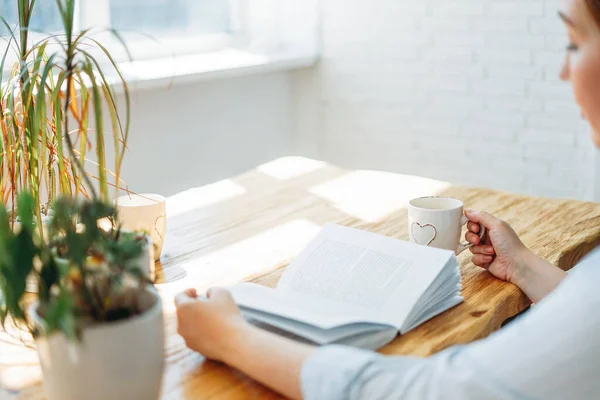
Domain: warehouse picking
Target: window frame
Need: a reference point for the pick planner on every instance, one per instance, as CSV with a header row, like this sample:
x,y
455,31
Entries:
x,y
95,15
256,42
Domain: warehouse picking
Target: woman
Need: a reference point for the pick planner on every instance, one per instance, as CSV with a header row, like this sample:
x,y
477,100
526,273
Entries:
x,y
552,352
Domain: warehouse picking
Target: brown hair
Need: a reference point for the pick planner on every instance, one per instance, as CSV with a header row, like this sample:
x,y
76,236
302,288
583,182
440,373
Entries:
x,y
594,7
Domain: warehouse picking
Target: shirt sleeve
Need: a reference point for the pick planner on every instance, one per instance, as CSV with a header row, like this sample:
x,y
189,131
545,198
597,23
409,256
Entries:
x,y
552,352
340,372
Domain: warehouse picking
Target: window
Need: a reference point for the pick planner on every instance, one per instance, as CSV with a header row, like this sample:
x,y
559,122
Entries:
x,y
252,32
171,17
155,28
151,28
45,19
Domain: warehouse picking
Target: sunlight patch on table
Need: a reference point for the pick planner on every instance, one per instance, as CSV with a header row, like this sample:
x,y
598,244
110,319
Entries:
x,y
18,377
373,195
19,366
199,197
249,257
290,167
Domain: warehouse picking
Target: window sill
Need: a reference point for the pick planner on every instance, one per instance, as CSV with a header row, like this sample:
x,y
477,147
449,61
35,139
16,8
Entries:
x,y
228,63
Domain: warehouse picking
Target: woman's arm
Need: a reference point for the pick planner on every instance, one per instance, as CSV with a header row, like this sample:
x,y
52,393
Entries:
x,y
214,327
278,362
538,277
550,353
504,255
269,358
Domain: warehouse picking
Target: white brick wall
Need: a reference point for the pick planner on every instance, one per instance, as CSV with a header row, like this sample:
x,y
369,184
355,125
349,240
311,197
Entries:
x,y
460,90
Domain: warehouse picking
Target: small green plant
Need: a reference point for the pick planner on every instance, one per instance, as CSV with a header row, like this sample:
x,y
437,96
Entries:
x,y
85,274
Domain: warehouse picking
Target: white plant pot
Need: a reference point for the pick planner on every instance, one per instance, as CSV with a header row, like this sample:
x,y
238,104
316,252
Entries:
x,y
117,360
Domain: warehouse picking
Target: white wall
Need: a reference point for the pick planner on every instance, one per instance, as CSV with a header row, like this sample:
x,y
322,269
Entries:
x,y
190,135
463,90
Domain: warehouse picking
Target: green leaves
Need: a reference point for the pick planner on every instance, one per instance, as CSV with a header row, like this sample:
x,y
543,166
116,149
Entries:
x,y
100,153
26,212
125,252
67,12
24,254
25,9
18,253
59,315
55,91
50,275
84,273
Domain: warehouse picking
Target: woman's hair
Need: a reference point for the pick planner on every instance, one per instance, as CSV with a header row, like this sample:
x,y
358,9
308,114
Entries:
x,y
594,7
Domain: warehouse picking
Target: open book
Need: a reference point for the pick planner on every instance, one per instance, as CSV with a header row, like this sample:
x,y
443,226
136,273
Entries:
x,y
356,288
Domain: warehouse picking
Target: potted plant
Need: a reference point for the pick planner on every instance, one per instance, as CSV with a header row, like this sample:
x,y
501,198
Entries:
x,y
97,321
53,109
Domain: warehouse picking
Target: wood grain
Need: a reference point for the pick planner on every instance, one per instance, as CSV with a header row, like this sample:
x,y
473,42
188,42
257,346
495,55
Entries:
x,y
250,227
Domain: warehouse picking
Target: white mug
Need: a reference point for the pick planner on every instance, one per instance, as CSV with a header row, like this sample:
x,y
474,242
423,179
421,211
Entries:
x,y
437,222
145,212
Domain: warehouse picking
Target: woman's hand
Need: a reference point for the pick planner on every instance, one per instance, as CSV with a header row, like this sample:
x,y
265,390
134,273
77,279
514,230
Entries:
x,y
214,327
210,325
501,252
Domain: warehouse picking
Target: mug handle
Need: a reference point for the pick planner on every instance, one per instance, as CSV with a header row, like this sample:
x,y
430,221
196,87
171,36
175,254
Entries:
x,y
462,246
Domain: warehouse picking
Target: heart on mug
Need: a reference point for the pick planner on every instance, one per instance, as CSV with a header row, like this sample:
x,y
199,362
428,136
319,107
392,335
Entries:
x,y
423,234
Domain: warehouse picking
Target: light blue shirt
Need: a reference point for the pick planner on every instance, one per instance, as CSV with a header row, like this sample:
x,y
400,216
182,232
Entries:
x,y
552,352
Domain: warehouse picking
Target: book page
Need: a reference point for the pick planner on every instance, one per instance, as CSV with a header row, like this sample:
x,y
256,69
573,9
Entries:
x,y
378,275
306,309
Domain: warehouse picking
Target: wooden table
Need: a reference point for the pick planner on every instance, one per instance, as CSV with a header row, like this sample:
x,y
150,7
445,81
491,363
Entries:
x,y
250,227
